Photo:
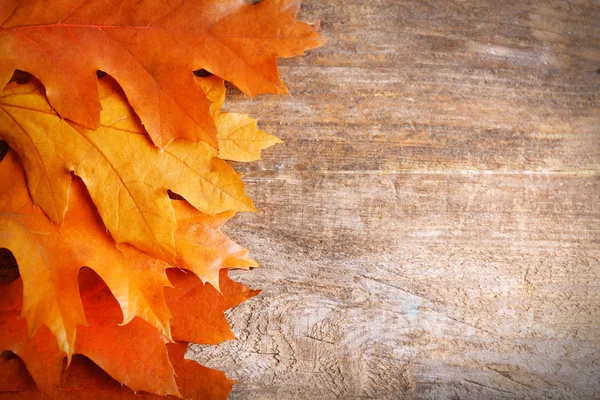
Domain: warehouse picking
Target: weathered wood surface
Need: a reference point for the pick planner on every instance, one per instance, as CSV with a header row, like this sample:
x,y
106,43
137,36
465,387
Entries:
x,y
430,228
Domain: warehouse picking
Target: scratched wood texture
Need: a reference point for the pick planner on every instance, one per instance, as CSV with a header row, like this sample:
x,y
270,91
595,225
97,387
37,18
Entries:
x,y
430,228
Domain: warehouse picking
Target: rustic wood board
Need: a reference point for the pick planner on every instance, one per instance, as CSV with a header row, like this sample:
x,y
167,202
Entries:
x,y
430,227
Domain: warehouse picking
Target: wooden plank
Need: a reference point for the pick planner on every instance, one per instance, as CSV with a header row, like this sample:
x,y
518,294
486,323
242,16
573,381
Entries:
x,y
404,284
532,106
429,229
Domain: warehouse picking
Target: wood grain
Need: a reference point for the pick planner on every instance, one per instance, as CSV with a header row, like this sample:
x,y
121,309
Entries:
x,y
430,227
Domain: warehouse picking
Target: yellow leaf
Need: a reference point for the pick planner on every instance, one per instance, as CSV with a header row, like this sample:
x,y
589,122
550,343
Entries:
x,y
50,258
240,138
126,176
201,246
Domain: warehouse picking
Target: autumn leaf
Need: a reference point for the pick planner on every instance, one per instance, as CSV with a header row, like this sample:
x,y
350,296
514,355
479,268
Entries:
x,y
15,380
133,354
85,380
151,48
198,308
240,138
195,381
49,260
122,324
126,176
130,353
41,352
201,246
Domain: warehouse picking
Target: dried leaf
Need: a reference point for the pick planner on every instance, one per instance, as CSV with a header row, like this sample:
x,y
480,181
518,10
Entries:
x,y
122,316
85,380
134,354
201,246
240,138
151,48
196,381
40,353
49,260
125,175
198,308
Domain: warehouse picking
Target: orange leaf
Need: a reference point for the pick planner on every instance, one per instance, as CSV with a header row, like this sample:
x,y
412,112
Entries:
x,y
151,48
201,246
133,354
136,279
40,353
198,308
126,176
85,380
49,260
16,382
240,138
196,381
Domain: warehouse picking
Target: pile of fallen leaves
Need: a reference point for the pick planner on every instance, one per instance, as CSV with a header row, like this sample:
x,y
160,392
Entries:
x,y
115,187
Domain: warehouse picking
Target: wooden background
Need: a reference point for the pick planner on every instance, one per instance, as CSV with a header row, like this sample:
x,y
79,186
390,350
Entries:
x,y
430,228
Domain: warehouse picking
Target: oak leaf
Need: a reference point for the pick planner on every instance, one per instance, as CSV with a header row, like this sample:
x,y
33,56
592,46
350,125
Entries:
x,y
50,258
126,176
134,353
201,246
130,353
195,381
240,138
198,308
151,48
41,352
85,380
